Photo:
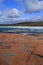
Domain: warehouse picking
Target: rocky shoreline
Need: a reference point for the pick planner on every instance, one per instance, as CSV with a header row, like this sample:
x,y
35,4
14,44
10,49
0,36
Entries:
x,y
18,49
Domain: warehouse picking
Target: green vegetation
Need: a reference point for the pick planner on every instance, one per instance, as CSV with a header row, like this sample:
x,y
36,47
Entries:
x,y
25,24
30,24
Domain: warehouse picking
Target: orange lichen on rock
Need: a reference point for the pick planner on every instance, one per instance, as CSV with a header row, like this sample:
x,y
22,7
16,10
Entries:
x,y
18,49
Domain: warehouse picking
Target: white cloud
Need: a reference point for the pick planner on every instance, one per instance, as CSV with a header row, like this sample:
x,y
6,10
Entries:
x,y
10,16
5,20
32,5
11,13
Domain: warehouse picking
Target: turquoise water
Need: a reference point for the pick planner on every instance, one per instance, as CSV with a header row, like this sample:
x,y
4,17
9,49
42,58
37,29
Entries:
x,y
28,31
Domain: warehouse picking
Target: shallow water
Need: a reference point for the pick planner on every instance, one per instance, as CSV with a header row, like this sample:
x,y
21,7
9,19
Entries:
x,y
28,31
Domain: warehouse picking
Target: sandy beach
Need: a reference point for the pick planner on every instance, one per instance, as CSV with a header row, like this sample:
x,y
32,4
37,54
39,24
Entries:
x,y
19,49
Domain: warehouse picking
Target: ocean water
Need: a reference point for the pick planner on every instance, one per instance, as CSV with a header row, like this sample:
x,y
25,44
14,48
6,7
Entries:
x,y
28,31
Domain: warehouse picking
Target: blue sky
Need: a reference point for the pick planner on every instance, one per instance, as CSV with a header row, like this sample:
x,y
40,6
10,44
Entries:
x,y
15,11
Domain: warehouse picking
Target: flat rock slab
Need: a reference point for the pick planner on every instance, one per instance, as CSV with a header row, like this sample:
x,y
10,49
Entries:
x,y
39,48
18,49
35,60
15,55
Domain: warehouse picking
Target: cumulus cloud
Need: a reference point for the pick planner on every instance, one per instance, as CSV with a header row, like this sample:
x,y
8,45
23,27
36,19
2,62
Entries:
x,y
37,18
5,20
10,16
32,5
11,13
